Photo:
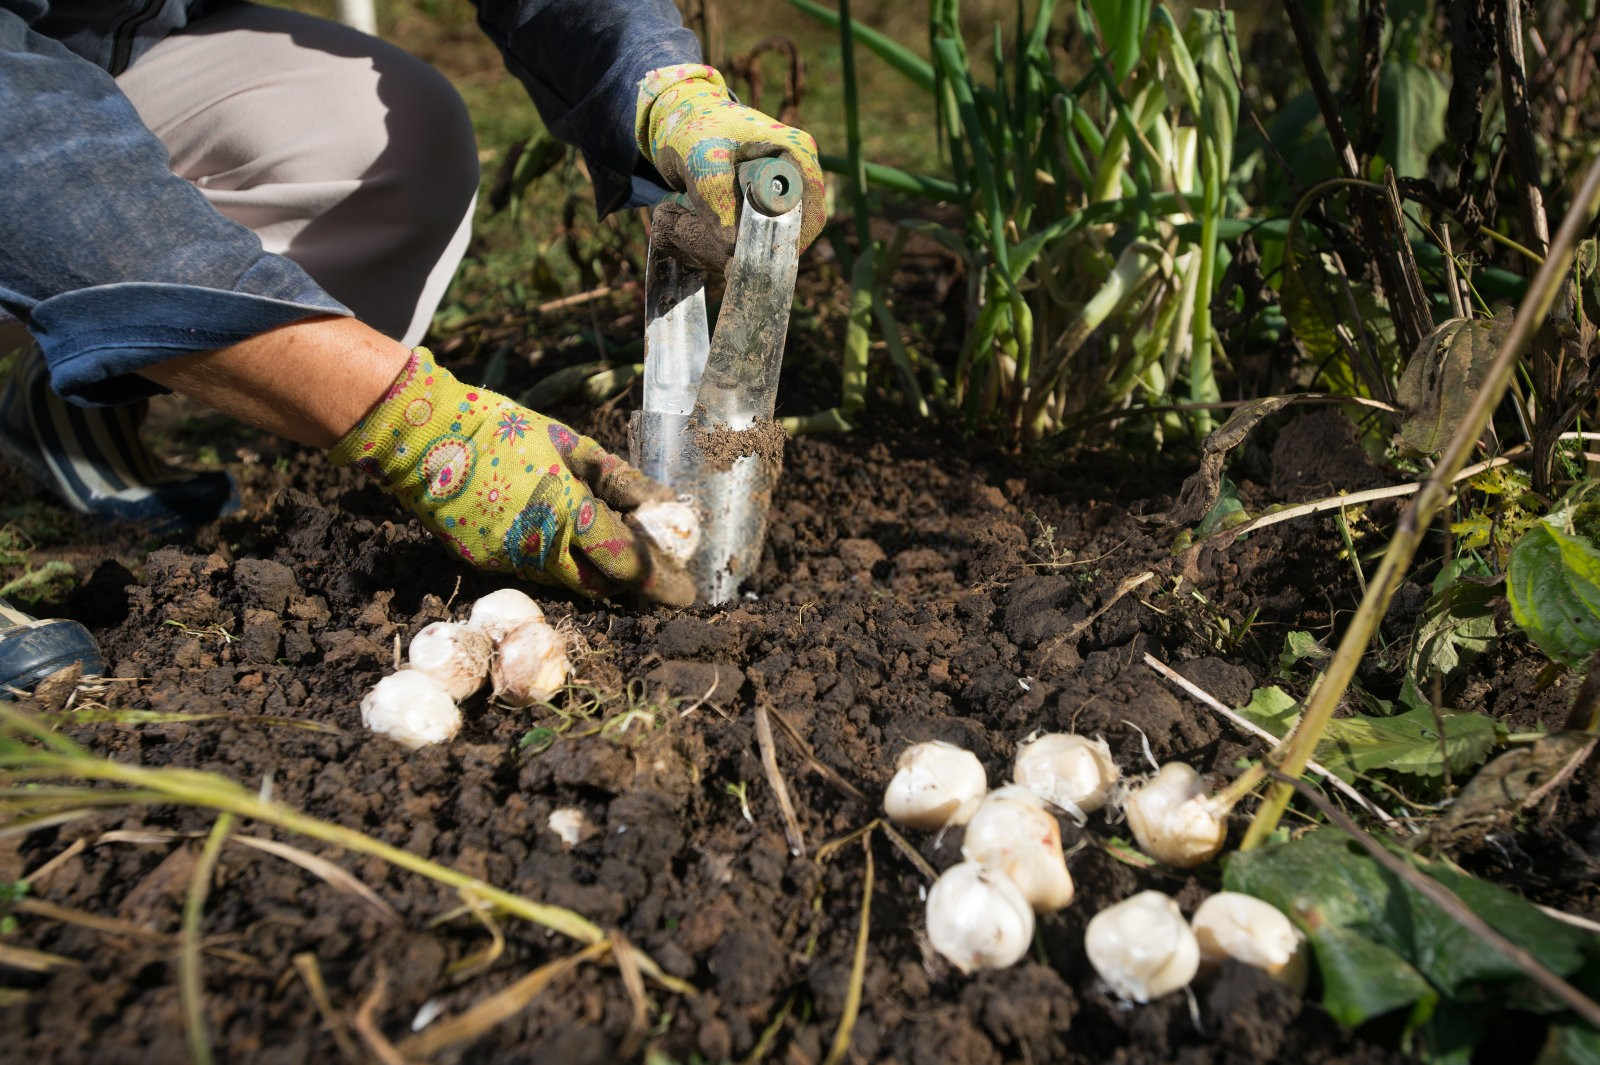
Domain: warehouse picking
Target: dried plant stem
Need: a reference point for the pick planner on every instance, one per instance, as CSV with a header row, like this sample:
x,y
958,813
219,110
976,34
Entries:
x,y
858,966
769,762
189,977
1335,680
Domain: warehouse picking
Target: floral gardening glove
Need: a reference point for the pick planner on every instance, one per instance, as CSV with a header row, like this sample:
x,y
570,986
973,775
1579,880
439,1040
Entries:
x,y
510,489
695,134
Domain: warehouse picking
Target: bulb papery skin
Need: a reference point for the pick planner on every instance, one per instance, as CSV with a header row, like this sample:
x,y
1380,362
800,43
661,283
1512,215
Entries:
x,y
1013,834
456,656
673,525
571,824
935,784
500,611
978,919
1142,946
530,665
1233,925
1174,820
412,709
1075,773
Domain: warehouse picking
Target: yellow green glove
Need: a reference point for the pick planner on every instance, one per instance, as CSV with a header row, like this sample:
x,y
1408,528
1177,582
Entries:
x,y
695,134
509,489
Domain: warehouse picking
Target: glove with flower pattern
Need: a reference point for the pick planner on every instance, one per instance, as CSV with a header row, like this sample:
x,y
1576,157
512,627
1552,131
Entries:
x,y
511,490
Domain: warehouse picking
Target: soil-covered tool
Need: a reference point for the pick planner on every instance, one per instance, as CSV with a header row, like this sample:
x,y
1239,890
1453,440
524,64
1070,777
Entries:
x,y
31,649
706,425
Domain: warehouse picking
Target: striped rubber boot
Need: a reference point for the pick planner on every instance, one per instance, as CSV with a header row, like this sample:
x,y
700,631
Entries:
x,y
93,459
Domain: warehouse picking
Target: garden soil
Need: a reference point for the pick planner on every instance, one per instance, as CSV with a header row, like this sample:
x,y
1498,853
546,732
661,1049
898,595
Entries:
x,y
913,588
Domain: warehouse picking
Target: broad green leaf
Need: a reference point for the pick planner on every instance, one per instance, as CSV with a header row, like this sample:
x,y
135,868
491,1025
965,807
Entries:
x,y
1553,583
1381,945
1403,743
1412,98
1457,623
1442,379
1406,743
1225,513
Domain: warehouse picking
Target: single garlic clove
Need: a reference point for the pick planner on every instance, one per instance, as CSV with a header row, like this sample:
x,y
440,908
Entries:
x,y
531,665
572,825
411,708
1142,946
1013,834
500,611
1073,772
978,919
1234,925
454,655
1174,820
673,525
935,784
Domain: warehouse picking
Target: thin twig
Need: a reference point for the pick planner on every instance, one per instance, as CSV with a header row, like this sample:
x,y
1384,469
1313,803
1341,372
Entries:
x,y
306,965
366,1025
769,762
1451,904
190,985
1251,727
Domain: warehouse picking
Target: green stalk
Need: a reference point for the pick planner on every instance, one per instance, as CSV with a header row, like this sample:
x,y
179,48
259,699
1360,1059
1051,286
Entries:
x,y
924,185
1296,749
915,68
852,130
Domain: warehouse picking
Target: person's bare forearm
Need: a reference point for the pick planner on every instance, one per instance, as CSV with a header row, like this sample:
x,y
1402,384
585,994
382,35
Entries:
x,y
310,381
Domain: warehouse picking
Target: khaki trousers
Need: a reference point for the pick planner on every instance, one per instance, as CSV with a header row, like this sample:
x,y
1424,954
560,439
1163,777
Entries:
x,y
342,152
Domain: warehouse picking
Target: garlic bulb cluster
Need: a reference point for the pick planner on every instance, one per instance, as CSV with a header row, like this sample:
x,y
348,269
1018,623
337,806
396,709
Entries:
x,y
1174,820
1142,947
505,637
1074,773
935,784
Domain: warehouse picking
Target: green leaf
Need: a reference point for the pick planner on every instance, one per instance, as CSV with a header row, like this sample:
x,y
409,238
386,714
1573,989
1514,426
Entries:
x,y
1412,98
1381,945
1272,708
1457,623
1553,583
1404,743
1298,646
1570,1044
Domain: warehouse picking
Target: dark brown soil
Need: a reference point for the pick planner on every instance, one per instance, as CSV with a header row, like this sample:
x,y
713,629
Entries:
x,y
912,589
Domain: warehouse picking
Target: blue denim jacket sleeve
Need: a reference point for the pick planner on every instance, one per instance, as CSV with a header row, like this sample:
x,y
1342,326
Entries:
x,y
582,61
112,261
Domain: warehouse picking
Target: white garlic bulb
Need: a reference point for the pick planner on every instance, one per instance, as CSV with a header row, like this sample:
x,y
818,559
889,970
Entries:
x,y
411,708
530,665
935,784
454,655
1012,833
1142,946
1234,925
1075,773
500,611
978,919
673,525
1174,820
